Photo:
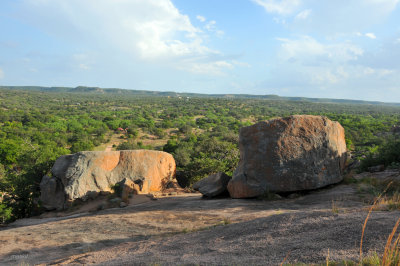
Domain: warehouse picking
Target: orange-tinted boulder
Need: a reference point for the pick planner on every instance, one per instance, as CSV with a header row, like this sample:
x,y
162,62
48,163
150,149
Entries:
x,y
84,174
299,152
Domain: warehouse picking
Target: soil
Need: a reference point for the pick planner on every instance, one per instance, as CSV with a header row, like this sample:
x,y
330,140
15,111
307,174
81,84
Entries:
x,y
188,229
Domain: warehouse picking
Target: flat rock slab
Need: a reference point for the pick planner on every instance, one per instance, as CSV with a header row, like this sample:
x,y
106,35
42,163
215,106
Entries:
x,y
191,230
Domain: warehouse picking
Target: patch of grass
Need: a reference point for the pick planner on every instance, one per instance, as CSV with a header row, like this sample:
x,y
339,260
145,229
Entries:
x,y
391,253
388,203
335,207
225,221
388,192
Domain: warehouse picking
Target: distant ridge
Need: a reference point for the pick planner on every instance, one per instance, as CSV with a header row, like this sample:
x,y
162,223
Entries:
x,y
97,90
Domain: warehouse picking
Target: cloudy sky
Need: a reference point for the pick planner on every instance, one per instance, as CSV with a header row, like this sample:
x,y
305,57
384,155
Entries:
x,y
330,48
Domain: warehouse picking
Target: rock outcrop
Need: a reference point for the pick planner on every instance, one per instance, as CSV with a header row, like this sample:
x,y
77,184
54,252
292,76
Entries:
x,y
299,152
213,185
84,174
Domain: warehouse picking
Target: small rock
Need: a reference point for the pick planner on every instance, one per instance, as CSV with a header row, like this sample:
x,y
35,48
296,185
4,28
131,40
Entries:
x,y
115,200
101,207
376,168
213,185
293,196
122,204
277,196
151,196
173,184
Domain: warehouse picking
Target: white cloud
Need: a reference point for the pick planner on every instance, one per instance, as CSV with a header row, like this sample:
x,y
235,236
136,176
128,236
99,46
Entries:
x,y
201,18
215,68
370,35
305,66
211,27
330,18
303,14
84,67
281,7
1,74
148,30
385,6
309,51
378,72
310,63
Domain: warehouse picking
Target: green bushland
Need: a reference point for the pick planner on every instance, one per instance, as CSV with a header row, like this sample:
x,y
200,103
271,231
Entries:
x,y
39,125
387,154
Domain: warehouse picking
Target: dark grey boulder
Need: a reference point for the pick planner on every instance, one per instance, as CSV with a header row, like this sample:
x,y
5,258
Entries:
x,y
213,185
52,193
299,152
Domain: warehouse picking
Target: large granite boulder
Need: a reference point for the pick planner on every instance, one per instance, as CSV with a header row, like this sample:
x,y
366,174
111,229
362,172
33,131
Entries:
x,y
299,152
85,174
213,185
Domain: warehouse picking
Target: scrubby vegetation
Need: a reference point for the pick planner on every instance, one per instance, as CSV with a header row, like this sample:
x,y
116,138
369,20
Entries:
x,y
201,132
387,154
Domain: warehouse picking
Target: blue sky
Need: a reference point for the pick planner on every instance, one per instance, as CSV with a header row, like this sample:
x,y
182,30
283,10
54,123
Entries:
x,y
332,48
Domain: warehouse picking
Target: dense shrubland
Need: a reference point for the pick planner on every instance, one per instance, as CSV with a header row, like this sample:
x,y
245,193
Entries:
x,y
202,133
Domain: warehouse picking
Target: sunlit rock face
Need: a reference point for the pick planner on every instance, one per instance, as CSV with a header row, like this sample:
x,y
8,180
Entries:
x,y
299,152
84,174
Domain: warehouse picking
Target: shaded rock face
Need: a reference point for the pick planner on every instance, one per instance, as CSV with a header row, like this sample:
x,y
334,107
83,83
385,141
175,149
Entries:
x,y
299,152
127,188
52,193
84,174
213,185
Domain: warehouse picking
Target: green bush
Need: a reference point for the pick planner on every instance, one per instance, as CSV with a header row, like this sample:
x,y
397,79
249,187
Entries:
x,y
387,154
5,213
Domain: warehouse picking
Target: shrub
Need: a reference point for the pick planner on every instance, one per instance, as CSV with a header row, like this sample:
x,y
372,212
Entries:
x,y
387,154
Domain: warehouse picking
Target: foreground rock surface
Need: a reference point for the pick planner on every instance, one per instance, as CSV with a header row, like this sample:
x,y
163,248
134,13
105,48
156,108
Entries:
x,y
188,230
213,185
84,174
299,152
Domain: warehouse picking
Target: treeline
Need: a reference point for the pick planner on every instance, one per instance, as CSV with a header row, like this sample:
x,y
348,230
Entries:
x,y
36,127
97,90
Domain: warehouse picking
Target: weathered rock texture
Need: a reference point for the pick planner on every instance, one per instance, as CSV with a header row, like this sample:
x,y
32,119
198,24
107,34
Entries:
x,y
85,174
299,152
213,185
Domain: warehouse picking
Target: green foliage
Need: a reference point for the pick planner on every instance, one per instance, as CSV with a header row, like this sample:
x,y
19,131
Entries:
x,y
387,154
131,145
5,213
198,157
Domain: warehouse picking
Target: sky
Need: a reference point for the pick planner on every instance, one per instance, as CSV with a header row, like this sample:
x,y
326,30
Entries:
x,y
347,49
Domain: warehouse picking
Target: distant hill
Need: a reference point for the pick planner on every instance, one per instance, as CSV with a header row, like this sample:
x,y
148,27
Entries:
x,y
97,90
